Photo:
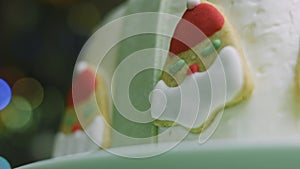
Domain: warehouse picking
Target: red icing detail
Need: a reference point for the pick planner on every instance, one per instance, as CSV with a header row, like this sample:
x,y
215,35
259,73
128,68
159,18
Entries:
x,y
84,85
76,127
193,69
203,18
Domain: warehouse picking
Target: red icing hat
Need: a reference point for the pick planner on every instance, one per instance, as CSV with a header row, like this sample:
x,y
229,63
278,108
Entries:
x,y
84,85
205,17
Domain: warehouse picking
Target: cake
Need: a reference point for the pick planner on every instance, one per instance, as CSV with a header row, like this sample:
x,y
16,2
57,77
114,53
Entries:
x,y
261,35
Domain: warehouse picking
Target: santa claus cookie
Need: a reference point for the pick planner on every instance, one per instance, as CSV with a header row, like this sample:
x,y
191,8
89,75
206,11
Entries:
x,y
204,73
85,126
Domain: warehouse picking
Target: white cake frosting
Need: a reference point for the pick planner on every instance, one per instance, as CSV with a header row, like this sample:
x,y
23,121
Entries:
x,y
269,33
191,103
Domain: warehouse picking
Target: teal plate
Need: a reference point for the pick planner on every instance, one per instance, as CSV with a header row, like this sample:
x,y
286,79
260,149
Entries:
x,y
225,155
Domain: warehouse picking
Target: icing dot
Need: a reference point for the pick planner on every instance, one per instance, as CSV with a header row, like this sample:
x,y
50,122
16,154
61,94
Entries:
x,y
192,3
217,44
5,94
4,164
177,66
193,69
76,127
208,50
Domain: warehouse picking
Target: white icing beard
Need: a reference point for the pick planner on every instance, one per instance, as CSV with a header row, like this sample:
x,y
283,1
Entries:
x,y
79,142
200,94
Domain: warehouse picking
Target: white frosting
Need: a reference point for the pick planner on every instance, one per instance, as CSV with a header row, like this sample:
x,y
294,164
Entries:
x,y
79,142
81,66
269,34
96,130
201,93
192,3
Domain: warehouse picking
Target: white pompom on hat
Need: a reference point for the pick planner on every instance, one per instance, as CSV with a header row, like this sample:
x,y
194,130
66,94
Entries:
x,y
192,3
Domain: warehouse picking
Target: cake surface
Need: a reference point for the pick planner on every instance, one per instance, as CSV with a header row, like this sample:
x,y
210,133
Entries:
x,y
270,36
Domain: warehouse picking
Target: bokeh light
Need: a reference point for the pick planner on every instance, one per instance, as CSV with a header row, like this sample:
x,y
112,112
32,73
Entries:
x,y
17,114
4,163
5,94
83,17
31,90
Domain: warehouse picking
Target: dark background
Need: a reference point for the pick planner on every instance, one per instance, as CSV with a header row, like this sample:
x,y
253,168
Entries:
x,y
41,39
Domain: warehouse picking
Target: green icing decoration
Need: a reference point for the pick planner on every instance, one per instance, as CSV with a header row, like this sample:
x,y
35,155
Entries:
x,y
69,119
177,66
208,50
216,44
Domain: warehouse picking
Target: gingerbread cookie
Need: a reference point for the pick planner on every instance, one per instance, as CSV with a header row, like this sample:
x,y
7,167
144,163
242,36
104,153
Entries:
x,y
188,93
84,120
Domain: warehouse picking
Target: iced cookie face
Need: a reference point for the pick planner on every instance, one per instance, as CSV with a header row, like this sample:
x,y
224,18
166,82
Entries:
x,y
196,68
85,125
87,84
198,51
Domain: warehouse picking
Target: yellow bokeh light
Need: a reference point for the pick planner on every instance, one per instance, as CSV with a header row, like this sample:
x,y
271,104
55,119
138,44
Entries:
x,y
17,115
31,90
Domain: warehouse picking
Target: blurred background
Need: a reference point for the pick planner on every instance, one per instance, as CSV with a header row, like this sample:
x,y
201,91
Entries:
x,y
39,44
